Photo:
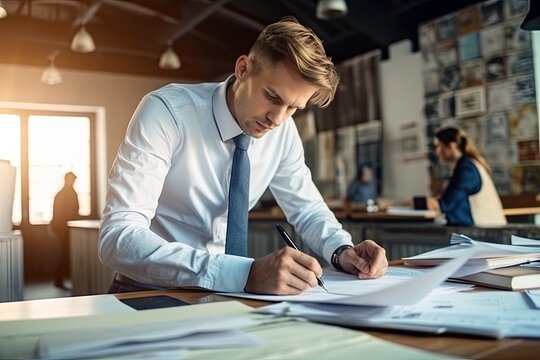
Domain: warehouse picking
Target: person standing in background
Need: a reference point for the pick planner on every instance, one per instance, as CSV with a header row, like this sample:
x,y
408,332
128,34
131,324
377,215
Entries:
x,y
470,198
65,208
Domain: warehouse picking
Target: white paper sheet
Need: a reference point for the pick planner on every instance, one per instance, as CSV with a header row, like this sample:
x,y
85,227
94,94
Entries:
x,y
110,341
386,291
63,307
523,241
494,314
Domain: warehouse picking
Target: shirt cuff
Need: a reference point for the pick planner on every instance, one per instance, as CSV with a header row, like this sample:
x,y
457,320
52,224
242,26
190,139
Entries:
x,y
231,273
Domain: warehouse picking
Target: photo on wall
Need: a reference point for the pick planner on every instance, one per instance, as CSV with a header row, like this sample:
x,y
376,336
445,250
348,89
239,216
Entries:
x,y
472,73
503,115
499,95
495,68
468,20
515,37
491,12
470,102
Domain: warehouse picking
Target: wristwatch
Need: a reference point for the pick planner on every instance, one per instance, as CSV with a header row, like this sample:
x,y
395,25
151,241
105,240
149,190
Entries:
x,y
335,257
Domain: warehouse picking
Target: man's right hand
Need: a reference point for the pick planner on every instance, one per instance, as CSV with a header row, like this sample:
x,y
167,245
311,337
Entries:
x,y
283,272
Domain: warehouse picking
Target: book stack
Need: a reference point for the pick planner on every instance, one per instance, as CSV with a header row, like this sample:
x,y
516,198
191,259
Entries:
x,y
509,267
518,277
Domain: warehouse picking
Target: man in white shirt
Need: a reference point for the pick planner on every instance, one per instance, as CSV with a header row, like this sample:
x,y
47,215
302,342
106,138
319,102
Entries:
x,y
169,185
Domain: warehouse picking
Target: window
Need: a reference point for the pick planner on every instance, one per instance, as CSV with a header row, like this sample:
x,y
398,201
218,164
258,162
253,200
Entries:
x,y
43,146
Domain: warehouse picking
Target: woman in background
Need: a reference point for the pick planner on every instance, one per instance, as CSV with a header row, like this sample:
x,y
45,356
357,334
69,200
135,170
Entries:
x,y
470,197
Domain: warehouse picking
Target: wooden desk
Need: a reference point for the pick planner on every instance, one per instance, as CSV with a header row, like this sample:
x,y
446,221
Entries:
x,y
462,347
521,211
449,345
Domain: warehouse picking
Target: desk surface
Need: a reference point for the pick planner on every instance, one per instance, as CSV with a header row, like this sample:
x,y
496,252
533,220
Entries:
x,y
472,348
449,345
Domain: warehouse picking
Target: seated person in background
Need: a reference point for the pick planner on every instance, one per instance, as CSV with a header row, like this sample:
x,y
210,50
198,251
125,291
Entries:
x,y
470,197
363,187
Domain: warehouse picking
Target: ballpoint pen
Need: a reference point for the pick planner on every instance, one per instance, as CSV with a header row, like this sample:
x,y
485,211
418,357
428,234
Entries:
x,y
291,243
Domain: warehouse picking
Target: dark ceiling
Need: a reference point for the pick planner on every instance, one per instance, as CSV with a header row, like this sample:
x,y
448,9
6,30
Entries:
x,y
208,35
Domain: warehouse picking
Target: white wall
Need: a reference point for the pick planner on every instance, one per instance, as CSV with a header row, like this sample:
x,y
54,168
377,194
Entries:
x,y
402,103
112,97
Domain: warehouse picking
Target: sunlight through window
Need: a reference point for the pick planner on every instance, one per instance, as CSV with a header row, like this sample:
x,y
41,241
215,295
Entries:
x,y
57,145
10,149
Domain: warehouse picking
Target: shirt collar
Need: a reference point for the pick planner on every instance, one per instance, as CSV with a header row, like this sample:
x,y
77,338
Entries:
x,y
227,126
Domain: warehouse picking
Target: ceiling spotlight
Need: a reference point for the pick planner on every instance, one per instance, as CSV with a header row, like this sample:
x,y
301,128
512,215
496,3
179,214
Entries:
x,y
169,60
82,41
331,9
3,12
51,75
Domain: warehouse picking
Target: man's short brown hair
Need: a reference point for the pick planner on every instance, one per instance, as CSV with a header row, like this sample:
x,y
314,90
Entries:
x,y
289,40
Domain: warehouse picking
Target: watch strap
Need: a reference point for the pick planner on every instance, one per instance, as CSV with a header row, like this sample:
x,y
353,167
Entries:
x,y
335,257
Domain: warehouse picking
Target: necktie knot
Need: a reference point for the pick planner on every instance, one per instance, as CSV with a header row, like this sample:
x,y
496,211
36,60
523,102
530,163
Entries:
x,y
242,141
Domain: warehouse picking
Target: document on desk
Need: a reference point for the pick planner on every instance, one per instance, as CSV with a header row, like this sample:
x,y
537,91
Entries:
x,y
346,289
279,338
108,334
495,314
486,255
523,241
179,335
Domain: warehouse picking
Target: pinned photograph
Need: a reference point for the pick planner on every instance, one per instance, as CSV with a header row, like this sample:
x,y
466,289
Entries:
x,y
447,28
515,37
499,95
447,106
450,78
491,40
431,80
528,150
469,46
497,127
472,73
495,68
431,109
447,54
524,91
521,63
427,36
491,12
516,8
470,102
523,122
468,20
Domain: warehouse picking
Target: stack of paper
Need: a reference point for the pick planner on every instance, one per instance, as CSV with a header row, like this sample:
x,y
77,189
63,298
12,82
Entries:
x,y
128,333
281,338
484,256
489,314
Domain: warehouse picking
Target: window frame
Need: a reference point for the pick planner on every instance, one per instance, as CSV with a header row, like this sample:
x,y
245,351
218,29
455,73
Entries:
x,y
24,115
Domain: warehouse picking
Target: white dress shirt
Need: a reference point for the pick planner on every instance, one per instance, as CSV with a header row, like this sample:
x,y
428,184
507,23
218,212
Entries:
x,y
168,188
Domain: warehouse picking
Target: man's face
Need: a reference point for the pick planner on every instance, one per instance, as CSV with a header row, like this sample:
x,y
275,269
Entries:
x,y
263,100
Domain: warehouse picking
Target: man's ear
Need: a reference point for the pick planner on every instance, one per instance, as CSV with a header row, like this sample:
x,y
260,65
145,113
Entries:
x,y
242,67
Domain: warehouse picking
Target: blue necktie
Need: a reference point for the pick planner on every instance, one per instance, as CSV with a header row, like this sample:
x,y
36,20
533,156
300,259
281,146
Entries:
x,y
237,218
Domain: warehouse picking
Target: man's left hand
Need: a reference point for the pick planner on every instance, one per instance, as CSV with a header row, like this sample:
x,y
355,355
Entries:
x,y
366,260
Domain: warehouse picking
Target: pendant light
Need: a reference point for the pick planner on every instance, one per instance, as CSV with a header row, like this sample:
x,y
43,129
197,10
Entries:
x,y
82,41
331,9
3,12
51,75
169,60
